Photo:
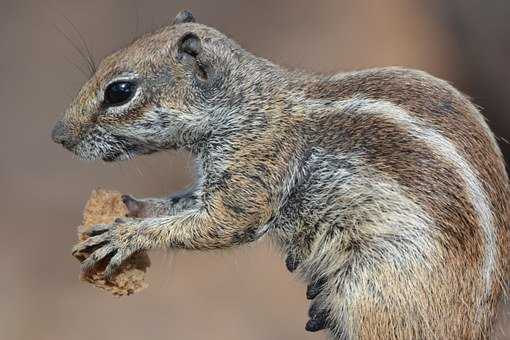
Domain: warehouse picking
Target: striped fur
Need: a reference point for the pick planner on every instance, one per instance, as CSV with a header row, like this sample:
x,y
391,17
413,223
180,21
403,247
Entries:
x,y
384,188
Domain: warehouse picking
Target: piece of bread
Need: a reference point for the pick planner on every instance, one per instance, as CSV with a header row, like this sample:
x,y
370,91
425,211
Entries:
x,y
103,207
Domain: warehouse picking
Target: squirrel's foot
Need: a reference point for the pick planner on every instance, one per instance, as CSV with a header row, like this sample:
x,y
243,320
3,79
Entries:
x,y
114,242
318,315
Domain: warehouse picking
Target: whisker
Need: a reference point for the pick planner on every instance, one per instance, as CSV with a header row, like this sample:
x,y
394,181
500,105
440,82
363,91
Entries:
x,y
139,171
503,139
90,58
76,47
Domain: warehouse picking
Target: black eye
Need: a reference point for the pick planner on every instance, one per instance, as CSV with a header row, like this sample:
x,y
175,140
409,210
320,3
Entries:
x,y
119,93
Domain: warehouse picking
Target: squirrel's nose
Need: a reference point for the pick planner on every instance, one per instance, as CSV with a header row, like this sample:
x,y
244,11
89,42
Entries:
x,y
61,135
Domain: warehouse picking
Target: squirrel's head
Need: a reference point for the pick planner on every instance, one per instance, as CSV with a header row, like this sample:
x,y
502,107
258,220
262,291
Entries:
x,y
158,93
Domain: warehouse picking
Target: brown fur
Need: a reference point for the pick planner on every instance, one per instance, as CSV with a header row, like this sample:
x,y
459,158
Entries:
x,y
385,188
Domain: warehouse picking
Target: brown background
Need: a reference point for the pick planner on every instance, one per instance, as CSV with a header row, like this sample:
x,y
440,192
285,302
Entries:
x,y
235,294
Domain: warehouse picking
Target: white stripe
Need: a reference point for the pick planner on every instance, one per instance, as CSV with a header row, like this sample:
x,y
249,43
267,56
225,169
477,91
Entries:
x,y
447,150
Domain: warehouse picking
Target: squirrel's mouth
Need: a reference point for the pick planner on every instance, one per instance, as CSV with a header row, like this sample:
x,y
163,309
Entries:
x,y
113,156
111,148
120,155
127,152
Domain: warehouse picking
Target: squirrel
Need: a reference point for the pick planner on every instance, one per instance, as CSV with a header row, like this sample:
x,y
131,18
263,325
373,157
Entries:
x,y
384,189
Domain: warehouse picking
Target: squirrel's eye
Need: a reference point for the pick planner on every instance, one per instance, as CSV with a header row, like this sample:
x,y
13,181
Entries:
x,y
119,93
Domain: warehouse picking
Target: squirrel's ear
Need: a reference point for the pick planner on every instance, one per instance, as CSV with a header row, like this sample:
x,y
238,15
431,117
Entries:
x,y
190,44
183,16
189,48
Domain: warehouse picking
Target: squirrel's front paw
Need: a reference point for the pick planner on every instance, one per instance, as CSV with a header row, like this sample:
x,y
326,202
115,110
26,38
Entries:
x,y
113,243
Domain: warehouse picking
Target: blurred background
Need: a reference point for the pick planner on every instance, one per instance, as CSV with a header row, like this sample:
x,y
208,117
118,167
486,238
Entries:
x,y
246,293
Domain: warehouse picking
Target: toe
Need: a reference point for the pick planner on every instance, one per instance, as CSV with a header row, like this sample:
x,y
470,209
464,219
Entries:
x,y
114,264
291,262
315,325
98,229
91,244
318,318
315,288
89,263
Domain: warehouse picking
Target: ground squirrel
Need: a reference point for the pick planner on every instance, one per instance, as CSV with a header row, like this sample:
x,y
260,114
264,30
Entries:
x,y
384,188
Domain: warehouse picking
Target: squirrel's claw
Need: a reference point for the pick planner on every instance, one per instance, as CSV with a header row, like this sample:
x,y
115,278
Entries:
x,y
315,288
318,318
90,262
96,230
318,313
291,262
115,242
115,263
91,244
316,324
